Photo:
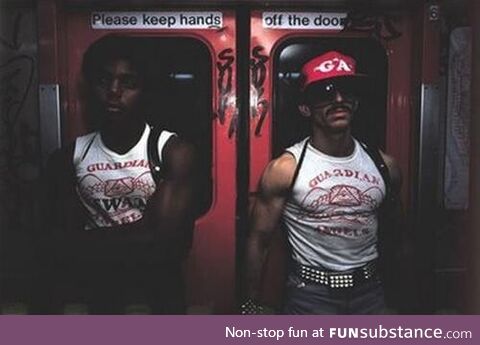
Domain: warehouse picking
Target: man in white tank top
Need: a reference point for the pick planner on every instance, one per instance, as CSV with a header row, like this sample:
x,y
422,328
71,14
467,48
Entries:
x,y
327,191
118,230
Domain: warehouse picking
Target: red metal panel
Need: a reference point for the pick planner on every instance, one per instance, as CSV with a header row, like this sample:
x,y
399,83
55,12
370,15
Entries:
x,y
211,266
399,129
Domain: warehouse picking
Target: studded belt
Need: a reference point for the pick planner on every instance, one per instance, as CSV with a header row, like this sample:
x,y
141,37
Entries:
x,y
338,279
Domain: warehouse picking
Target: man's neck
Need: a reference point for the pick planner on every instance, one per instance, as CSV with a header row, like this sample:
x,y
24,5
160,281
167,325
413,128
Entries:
x,y
333,144
122,138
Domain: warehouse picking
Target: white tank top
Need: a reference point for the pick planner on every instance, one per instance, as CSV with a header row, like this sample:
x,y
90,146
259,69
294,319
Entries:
x,y
331,215
114,188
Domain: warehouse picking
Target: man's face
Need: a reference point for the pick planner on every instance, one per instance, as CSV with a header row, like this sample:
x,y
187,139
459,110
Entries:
x,y
118,90
332,104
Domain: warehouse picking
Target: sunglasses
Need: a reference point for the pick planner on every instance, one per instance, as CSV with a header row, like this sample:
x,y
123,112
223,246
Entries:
x,y
327,92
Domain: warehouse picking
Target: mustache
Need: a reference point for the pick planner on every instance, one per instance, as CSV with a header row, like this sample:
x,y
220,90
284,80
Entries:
x,y
113,105
339,106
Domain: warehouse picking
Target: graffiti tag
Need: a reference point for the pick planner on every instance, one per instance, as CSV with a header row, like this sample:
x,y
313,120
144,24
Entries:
x,y
258,72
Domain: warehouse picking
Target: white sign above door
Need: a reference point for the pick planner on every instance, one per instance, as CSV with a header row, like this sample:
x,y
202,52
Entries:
x,y
156,20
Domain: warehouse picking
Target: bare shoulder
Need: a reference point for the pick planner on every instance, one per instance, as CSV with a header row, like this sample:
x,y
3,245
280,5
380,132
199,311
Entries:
x,y
179,157
393,169
278,175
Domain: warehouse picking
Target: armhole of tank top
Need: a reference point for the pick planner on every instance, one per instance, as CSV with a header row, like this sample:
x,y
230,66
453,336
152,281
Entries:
x,y
80,151
163,139
72,161
75,153
156,142
297,168
380,164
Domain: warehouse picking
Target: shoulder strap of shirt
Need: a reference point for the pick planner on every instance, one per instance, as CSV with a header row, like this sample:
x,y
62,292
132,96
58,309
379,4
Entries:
x,y
299,165
379,162
153,154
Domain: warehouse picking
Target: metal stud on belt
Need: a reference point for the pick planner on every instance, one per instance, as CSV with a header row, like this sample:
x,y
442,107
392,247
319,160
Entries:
x,y
337,279
341,280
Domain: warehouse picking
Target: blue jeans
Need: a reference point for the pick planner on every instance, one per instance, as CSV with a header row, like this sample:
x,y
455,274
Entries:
x,y
310,298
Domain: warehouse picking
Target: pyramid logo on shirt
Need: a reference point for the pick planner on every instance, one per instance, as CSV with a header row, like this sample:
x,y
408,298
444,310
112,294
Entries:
x,y
343,195
119,187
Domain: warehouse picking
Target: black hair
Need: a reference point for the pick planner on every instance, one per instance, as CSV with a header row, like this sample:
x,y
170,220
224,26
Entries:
x,y
110,48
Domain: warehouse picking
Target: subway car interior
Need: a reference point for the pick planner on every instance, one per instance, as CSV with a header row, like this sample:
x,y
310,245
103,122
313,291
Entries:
x,y
226,75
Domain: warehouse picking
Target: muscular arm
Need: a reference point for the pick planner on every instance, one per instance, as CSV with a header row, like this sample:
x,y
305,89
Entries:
x,y
396,212
170,210
397,215
55,246
395,173
266,213
398,247
61,209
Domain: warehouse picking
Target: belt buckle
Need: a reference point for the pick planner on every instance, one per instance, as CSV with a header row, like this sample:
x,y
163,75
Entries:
x,y
314,275
340,280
